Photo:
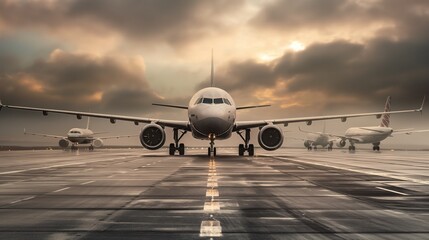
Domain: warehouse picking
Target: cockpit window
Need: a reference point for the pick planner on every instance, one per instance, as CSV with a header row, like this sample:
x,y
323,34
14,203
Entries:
x,y
218,101
74,132
208,100
226,101
199,100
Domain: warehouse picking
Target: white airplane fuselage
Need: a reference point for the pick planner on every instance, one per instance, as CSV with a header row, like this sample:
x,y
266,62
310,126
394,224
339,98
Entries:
x,y
212,114
318,139
80,135
368,134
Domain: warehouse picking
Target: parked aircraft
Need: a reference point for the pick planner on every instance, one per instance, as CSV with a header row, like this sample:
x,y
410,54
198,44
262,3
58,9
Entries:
x,y
314,139
77,136
373,135
211,116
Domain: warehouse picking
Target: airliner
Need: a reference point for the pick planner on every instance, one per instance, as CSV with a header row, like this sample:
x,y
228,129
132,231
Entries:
x,y
212,115
314,139
373,135
77,136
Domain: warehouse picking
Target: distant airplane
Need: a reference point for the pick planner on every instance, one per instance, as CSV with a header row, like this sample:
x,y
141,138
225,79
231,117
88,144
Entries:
x,y
78,136
374,135
314,139
211,116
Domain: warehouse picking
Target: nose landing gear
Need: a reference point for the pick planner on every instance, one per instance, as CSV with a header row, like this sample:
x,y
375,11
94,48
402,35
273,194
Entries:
x,y
212,149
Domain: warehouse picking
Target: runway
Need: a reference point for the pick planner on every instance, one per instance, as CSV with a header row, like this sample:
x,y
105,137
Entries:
x,y
286,194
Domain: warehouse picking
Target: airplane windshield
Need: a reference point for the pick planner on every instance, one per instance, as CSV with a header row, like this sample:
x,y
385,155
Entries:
x,y
218,101
226,101
208,100
199,100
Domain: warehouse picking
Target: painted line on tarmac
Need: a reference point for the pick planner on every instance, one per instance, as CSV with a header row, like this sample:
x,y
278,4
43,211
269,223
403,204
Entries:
x,y
393,191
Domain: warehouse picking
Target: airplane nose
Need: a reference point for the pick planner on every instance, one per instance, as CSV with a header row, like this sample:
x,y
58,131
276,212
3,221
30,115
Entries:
x,y
212,121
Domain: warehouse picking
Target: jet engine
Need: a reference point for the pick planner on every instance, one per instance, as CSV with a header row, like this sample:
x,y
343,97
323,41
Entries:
x,y
97,143
152,136
307,143
63,143
270,137
340,143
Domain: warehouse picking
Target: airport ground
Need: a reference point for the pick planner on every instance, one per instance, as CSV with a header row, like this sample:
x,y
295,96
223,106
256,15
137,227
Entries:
x,y
286,194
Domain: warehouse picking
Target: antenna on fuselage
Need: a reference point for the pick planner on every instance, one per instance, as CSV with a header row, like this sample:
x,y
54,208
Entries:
x,y
212,73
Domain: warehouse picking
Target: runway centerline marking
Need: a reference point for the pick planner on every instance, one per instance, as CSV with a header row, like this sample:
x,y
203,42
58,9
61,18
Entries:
x,y
393,191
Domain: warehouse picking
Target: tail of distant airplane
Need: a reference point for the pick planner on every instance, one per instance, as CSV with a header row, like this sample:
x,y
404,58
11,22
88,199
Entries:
x,y
385,120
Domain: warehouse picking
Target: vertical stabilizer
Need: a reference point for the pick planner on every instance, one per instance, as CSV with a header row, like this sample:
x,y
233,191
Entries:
x,y
324,127
212,73
385,120
87,123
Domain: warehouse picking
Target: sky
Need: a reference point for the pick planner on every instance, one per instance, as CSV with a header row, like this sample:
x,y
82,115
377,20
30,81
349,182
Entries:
x,y
305,58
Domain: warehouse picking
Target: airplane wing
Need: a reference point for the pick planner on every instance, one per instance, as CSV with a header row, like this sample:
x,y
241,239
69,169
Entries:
x,y
121,136
408,131
241,125
43,135
184,125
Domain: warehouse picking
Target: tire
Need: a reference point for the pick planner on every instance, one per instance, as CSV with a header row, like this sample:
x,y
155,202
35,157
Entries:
x,y
182,149
251,150
214,152
172,149
240,150
209,152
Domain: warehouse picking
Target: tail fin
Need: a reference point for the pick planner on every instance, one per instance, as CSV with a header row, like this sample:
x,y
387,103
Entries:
x,y
385,120
212,73
324,127
87,123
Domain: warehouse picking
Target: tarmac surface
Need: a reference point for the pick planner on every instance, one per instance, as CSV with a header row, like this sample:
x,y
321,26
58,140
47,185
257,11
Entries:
x,y
285,194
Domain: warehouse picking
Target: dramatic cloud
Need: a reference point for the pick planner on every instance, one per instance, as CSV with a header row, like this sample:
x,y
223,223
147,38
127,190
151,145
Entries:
x,y
80,81
175,22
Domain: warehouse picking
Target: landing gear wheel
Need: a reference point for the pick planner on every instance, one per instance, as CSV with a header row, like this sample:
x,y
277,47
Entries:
x,y
240,149
246,146
315,148
310,148
91,148
182,149
73,148
214,152
172,149
329,148
209,152
251,150
352,148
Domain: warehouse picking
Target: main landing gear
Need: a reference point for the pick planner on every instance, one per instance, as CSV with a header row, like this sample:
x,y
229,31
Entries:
x,y
376,146
212,149
73,147
176,146
91,148
246,146
352,148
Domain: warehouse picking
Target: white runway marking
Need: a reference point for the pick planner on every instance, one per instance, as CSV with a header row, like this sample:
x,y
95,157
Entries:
x,y
60,190
389,175
211,227
23,199
85,183
55,166
389,190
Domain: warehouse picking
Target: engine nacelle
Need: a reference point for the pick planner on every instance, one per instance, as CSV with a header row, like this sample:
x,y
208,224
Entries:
x,y
152,136
63,143
307,143
97,143
340,143
270,137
